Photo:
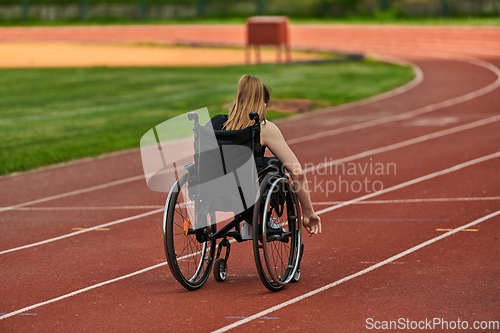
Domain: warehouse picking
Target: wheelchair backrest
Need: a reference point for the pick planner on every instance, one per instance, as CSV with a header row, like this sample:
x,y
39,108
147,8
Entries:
x,y
227,171
223,176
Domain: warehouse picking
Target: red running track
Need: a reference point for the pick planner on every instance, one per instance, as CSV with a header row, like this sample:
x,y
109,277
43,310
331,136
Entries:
x,y
381,256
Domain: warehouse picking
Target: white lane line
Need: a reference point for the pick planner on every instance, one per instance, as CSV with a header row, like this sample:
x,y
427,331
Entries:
x,y
10,314
413,113
67,194
412,182
364,154
83,231
463,98
457,167
419,77
371,152
406,143
383,202
352,276
317,167
87,208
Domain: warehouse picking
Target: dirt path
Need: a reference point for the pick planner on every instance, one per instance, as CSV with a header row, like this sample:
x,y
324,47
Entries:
x,y
66,54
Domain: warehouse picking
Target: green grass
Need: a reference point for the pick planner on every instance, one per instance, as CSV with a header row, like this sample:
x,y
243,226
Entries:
x,y
380,18
388,19
50,116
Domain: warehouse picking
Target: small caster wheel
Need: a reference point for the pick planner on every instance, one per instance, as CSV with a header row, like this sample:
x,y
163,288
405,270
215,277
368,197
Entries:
x,y
220,269
296,276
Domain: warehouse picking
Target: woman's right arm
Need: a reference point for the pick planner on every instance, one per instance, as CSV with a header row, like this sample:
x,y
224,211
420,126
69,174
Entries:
x,y
272,138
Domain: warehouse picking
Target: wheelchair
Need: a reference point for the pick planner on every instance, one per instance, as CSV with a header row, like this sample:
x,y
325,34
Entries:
x,y
190,226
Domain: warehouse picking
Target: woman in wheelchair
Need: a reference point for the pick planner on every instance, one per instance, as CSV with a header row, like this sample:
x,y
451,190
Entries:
x,y
253,96
191,221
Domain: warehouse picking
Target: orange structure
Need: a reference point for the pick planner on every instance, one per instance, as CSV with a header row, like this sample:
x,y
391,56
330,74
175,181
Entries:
x,y
268,30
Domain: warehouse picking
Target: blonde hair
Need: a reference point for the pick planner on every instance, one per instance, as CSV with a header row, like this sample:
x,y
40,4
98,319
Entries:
x,y
251,96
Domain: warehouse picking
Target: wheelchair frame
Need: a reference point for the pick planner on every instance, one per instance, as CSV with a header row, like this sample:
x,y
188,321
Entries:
x,y
275,197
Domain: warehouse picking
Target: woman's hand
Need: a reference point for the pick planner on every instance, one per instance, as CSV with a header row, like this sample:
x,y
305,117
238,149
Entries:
x,y
312,223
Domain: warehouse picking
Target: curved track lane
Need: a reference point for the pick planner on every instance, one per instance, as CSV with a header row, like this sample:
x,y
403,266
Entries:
x,y
448,119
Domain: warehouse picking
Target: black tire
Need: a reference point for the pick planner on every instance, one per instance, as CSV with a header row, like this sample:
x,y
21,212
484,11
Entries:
x,y
296,276
189,260
276,250
258,251
220,269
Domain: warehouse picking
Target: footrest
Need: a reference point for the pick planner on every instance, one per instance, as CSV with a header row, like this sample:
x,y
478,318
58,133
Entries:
x,y
236,235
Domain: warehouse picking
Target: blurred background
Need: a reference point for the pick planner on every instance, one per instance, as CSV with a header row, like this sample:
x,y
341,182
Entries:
x,y
158,10
57,105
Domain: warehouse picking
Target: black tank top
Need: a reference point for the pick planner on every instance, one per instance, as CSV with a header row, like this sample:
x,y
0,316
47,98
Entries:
x,y
218,122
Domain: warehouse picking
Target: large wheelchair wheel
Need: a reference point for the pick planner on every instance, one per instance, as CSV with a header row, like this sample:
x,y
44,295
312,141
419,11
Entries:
x,y
189,256
277,232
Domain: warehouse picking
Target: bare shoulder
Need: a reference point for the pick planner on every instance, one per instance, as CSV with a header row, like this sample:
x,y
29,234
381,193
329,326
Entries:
x,y
270,133
270,128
